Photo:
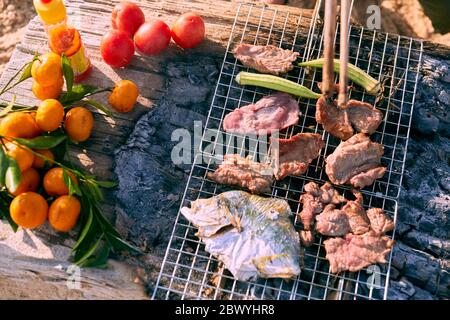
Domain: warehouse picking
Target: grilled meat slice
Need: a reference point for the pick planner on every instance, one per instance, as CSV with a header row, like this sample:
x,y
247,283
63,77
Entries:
x,y
342,123
313,200
338,222
295,154
274,112
363,116
379,221
357,218
334,120
266,59
354,162
306,237
332,222
368,177
355,252
236,170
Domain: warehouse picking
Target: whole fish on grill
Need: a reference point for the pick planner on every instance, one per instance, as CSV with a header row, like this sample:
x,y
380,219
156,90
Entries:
x,y
253,236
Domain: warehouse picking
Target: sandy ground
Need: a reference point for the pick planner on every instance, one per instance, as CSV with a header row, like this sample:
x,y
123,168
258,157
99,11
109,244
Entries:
x,y
14,16
398,16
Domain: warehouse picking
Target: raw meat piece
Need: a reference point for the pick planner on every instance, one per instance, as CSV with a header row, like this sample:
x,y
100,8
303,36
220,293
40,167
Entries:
x,y
379,221
274,112
243,172
295,154
342,123
338,222
355,252
367,178
313,200
354,161
266,59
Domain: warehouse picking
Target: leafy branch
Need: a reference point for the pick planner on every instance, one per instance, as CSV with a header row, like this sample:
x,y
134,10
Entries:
x,y
97,236
24,72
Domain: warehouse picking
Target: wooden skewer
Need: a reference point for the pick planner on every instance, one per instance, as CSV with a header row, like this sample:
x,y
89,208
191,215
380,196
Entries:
x,y
328,43
343,56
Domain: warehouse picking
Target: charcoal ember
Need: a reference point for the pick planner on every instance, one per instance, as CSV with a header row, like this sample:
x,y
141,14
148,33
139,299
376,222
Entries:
x,y
401,290
422,269
405,290
422,295
428,243
149,184
425,122
433,99
395,274
444,97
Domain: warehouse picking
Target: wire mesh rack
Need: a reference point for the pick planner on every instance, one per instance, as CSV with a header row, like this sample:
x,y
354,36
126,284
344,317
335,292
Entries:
x,y
188,272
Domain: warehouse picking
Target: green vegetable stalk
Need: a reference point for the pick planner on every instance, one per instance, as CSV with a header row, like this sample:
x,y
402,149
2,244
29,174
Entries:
x,y
355,74
275,83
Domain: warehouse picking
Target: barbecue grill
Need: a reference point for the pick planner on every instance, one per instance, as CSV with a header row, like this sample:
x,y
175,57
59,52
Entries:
x,y
188,272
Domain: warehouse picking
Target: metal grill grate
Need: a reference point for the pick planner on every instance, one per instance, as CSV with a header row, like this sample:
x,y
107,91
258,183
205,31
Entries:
x,y
188,272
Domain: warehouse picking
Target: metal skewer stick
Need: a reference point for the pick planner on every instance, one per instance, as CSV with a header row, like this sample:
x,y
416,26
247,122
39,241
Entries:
x,y
343,56
330,30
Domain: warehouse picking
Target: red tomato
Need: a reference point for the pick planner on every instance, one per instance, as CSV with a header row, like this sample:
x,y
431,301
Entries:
x,y
117,48
152,37
188,31
127,17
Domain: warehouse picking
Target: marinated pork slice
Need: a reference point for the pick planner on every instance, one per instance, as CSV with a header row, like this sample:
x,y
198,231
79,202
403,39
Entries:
x,y
355,252
243,172
313,200
342,123
368,177
379,222
275,112
266,59
332,222
356,162
293,156
338,222
363,116
333,120
357,217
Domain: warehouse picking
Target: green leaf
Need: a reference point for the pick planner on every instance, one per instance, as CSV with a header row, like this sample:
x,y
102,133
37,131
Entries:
x,y
71,185
4,164
8,108
87,253
104,223
42,142
4,212
85,229
68,72
78,93
100,107
93,190
107,184
99,258
12,178
26,74
60,151
119,244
